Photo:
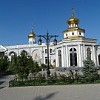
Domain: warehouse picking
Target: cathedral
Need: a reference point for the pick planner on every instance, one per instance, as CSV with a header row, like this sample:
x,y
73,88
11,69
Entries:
x,y
71,51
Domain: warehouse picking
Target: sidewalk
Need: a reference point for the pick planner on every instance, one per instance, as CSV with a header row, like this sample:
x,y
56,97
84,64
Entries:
x,y
4,80
58,92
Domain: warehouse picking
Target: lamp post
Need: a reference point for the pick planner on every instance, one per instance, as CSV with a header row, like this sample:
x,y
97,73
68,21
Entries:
x,y
47,37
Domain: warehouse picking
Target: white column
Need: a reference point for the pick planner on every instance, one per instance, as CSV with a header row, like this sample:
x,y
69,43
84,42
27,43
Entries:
x,y
17,50
79,60
44,54
94,54
62,53
65,65
97,56
84,52
29,49
42,60
67,59
82,55
56,56
64,56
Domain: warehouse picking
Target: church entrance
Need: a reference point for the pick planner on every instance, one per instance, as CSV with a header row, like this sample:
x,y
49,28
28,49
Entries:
x,y
99,59
73,57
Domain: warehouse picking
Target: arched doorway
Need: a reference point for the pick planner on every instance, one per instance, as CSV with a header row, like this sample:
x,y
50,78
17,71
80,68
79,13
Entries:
x,y
99,59
73,57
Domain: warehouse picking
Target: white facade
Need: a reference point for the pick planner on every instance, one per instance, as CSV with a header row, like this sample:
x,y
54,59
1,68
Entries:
x,y
71,51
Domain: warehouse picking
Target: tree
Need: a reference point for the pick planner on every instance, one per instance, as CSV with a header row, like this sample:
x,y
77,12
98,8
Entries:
x,y
89,70
34,67
19,64
4,62
13,64
22,65
43,66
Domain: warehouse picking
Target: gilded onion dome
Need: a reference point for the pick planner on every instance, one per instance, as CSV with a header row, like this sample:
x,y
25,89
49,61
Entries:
x,y
73,20
32,35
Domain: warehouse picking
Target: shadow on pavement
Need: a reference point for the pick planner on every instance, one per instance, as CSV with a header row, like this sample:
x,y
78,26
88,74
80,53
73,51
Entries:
x,y
49,96
2,87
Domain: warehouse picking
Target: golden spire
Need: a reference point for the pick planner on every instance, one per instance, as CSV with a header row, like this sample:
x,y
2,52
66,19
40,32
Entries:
x,y
32,27
72,11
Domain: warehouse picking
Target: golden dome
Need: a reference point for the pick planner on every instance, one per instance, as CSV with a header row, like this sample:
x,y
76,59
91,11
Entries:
x,y
73,20
32,35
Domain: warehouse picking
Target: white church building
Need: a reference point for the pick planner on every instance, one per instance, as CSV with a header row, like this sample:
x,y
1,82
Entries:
x,y
72,50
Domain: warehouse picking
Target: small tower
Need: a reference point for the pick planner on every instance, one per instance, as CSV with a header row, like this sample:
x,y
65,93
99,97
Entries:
x,y
32,37
73,32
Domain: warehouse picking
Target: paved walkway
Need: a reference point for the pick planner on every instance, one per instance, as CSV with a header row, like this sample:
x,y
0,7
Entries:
x,y
58,92
63,92
4,81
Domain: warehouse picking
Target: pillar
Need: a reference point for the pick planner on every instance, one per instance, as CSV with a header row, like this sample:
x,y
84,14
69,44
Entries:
x,y
67,59
63,56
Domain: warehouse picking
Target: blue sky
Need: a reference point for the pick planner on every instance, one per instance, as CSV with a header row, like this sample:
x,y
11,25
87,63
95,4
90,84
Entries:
x,y
17,17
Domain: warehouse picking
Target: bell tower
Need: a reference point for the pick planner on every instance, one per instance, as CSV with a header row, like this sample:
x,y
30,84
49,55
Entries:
x,y
73,32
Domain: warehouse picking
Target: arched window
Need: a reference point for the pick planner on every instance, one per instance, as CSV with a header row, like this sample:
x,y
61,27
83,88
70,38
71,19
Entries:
x,y
73,57
36,55
24,52
99,59
59,58
12,53
88,53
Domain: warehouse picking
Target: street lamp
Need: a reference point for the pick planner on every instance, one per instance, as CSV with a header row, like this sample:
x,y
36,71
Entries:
x,y
55,41
40,41
47,37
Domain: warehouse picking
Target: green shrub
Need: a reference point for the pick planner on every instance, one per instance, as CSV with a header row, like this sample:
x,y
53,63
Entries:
x,y
90,71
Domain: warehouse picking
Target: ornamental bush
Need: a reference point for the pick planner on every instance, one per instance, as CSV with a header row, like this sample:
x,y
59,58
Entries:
x,y
90,72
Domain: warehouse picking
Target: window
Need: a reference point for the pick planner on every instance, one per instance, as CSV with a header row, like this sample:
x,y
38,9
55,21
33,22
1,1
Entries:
x,y
72,33
50,50
12,53
46,60
54,60
99,59
79,33
73,57
45,50
88,53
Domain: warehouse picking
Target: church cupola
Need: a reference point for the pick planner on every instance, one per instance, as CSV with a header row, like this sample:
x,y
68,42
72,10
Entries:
x,y
73,22
32,37
73,32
